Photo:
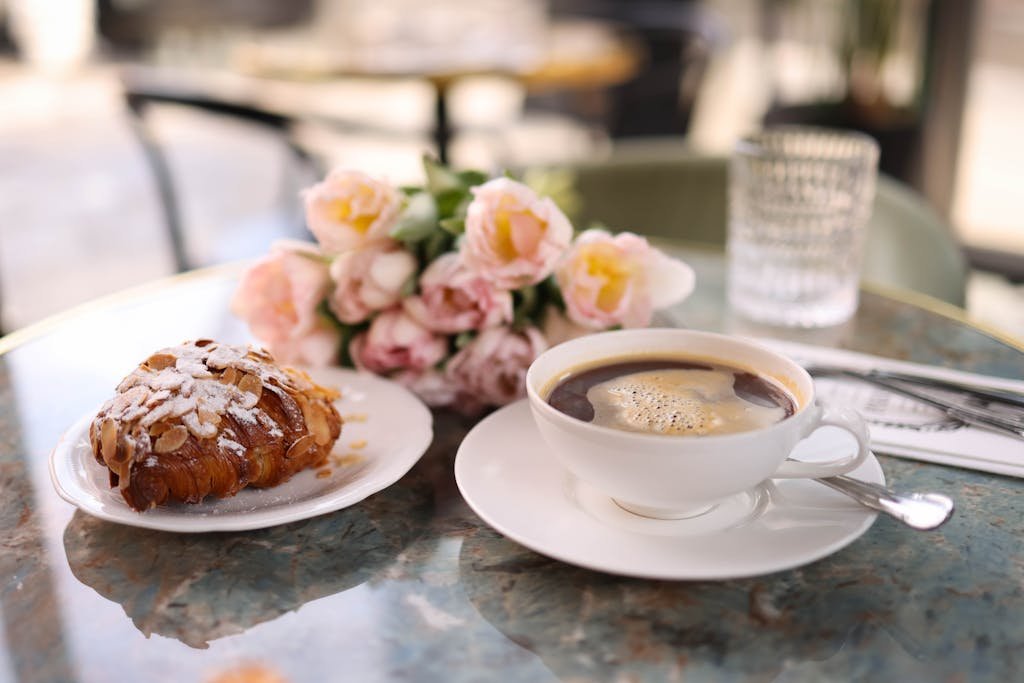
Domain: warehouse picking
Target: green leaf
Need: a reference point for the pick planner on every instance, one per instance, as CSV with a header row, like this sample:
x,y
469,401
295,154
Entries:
x,y
346,332
463,207
463,338
450,202
344,356
417,221
440,178
436,244
455,226
325,312
558,184
552,293
314,255
349,333
409,287
472,178
525,303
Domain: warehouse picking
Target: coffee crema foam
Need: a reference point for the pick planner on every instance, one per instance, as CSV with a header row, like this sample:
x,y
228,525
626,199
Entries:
x,y
674,401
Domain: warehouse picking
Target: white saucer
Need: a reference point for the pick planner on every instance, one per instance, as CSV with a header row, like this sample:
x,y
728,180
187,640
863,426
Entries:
x,y
395,426
509,477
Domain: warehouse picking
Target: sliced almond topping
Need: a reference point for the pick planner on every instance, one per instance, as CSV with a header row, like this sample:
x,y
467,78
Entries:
x,y
208,417
171,440
316,421
200,430
230,376
301,446
124,474
158,428
251,384
122,456
108,440
125,401
160,361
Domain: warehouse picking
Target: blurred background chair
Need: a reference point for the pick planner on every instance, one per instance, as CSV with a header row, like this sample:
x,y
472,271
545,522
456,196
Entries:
x,y
658,188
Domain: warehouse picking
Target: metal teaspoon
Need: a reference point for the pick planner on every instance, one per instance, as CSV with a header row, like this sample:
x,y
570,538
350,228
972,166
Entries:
x,y
921,511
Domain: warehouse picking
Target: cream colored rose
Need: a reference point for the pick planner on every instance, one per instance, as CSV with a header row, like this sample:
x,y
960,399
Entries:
x,y
368,280
349,209
513,237
610,280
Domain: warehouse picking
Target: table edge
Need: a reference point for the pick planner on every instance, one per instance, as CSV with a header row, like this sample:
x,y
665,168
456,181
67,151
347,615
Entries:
x,y
943,309
24,335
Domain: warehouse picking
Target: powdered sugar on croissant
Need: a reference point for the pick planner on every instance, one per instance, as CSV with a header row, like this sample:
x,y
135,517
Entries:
x,y
205,418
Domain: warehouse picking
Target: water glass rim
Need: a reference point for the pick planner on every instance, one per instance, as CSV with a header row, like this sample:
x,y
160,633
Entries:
x,y
865,148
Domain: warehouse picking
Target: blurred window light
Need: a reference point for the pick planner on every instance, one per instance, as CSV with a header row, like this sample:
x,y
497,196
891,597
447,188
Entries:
x,y
987,203
53,37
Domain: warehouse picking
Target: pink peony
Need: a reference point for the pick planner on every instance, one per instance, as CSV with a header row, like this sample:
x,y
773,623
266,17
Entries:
x,y
453,299
368,280
395,341
278,297
349,209
620,280
491,369
513,237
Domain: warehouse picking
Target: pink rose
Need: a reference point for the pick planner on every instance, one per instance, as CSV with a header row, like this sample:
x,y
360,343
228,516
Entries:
x,y
513,237
395,341
619,280
278,297
349,209
454,299
368,280
491,369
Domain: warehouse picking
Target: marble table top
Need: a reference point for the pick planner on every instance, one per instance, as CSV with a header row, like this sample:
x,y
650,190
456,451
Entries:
x,y
411,585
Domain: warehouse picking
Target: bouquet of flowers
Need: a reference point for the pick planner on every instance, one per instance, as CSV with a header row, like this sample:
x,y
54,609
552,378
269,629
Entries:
x,y
452,288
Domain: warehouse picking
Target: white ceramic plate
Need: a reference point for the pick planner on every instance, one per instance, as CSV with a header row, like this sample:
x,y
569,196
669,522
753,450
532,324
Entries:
x,y
395,425
509,477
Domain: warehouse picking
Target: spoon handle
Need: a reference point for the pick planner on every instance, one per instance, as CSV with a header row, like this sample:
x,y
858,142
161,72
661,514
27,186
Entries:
x,y
917,510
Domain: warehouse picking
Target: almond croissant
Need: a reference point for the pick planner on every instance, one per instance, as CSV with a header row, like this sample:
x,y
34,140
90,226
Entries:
x,y
208,419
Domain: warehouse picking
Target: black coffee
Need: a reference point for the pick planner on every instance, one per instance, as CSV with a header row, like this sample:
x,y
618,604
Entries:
x,y
672,396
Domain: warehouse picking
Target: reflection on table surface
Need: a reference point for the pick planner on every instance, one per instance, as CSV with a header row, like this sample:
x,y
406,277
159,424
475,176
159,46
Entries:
x,y
409,584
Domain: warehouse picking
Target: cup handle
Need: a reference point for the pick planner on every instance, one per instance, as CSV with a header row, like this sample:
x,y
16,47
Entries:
x,y
846,419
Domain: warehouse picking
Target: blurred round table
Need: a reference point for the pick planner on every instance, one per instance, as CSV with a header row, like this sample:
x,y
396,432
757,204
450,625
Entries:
x,y
411,585
261,76
265,79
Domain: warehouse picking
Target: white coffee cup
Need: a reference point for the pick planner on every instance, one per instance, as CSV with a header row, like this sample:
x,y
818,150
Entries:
x,y
673,476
